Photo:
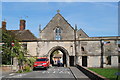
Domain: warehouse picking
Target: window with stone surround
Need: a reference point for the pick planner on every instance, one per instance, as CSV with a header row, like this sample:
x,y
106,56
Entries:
x,y
58,34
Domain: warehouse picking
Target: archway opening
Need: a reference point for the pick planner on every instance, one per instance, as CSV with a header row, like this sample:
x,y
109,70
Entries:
x,y
58,57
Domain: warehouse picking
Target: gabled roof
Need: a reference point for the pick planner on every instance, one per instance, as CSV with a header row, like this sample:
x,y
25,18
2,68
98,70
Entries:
x,y
80,31
57,15
23,35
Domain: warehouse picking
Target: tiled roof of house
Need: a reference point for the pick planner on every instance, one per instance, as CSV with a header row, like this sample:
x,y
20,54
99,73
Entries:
x,y
23,35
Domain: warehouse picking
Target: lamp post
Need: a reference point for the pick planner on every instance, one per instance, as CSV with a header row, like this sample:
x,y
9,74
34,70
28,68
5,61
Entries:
x,y
12,44
102,52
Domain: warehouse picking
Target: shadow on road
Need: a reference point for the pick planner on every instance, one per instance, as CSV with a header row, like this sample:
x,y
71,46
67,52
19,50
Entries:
x,y
39,69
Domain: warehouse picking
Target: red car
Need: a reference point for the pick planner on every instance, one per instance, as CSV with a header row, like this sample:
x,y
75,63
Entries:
x,y
42,62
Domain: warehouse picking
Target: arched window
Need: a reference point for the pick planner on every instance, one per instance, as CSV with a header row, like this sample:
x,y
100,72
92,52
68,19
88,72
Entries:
x,y
57,33
82,48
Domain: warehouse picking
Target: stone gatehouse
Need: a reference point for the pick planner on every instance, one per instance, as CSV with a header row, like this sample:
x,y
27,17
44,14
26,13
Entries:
x,y
77,47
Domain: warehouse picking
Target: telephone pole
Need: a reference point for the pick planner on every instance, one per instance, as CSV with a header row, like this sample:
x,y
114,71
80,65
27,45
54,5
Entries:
x,y
75,44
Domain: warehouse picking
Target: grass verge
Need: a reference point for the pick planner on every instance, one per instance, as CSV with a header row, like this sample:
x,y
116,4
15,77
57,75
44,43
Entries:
x,y
106,72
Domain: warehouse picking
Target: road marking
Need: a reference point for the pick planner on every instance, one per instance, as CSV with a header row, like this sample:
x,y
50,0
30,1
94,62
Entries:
x,y
54,72
43,72
17,76
11,74
60,71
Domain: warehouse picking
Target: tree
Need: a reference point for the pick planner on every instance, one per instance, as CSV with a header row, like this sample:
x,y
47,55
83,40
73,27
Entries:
x,y
56,52
7,38
10,51
18,51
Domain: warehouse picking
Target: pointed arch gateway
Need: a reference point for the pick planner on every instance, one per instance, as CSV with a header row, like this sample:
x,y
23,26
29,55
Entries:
x,y
65,55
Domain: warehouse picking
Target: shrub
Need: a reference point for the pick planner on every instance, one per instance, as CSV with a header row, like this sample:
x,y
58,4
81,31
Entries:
x,y
19,71
27,69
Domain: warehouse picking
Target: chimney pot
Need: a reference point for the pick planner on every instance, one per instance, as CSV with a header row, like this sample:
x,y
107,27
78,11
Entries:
x,y
4,25
22,25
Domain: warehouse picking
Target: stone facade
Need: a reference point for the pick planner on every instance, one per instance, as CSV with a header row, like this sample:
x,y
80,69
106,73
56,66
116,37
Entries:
x,y
66,33
86,51
92,49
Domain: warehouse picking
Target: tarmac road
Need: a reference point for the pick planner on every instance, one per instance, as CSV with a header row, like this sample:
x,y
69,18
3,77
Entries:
x,y
56,73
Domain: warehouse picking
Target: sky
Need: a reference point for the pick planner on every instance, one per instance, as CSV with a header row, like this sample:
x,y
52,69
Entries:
x,y
59,0
95,18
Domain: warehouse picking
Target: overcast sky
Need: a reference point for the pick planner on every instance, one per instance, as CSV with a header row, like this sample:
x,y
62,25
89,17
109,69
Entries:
x,y
95,18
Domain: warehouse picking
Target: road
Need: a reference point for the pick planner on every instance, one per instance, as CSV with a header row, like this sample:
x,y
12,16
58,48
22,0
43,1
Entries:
x,y
51,73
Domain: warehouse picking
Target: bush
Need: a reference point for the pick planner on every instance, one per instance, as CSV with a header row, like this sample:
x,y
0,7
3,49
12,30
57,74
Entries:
x,y
27,69
28,65
19,71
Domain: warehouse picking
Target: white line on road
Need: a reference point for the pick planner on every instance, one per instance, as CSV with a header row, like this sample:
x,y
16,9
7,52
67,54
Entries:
x,y
12,74
17,76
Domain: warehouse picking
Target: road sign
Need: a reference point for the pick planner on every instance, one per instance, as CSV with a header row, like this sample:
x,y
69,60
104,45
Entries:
x,y
13,43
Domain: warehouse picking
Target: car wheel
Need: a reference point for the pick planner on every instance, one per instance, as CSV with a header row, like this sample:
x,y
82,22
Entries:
x,y
34,69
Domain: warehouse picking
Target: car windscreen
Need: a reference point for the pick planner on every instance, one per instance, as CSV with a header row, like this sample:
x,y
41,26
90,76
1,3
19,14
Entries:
x,y
41,59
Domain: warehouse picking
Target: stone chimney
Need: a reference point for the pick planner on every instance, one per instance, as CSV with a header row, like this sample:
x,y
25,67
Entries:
x,y
4,25
22,25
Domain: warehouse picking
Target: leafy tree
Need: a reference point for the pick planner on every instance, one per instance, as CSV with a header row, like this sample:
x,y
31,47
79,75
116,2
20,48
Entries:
x,y
6,47
18,51
10,51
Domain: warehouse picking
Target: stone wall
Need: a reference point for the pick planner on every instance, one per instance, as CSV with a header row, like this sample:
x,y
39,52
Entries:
x,y
93,61
5,68
32,48
92,49
43,48
114,61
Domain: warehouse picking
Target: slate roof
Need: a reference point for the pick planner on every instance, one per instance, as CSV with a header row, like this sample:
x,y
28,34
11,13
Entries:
x,y
23,35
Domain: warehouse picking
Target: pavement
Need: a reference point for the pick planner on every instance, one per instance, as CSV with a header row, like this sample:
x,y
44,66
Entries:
x,y
3,73
78,74
52,73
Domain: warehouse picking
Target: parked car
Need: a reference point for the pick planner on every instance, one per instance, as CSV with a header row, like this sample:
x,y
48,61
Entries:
x,y
42,62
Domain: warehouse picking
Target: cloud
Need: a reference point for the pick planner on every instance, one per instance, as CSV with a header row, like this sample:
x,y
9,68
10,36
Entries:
x,y
60,0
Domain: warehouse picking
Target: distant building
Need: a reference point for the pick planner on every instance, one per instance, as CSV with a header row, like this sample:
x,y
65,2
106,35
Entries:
x,y
21,34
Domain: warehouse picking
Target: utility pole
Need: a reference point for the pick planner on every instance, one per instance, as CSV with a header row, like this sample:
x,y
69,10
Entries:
x,y
102,52
75,43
